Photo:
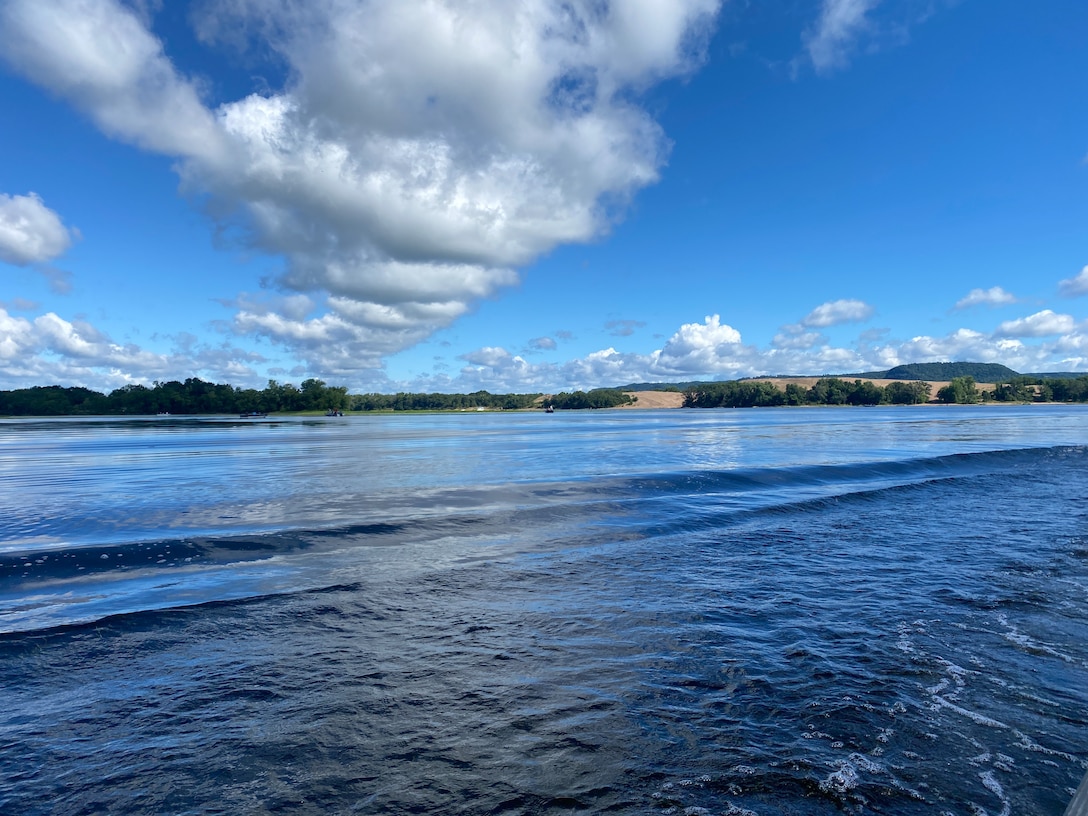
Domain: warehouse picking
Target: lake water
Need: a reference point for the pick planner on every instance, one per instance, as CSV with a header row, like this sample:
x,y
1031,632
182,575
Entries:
x,y
772,611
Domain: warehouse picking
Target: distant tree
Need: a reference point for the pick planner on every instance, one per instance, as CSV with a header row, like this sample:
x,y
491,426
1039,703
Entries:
x,y
902,393
829,391
1013,392
960,390
132,399
597,398
865,393
795,395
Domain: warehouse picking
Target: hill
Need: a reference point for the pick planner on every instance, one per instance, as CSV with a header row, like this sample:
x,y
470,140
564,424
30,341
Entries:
x,y
930,372
927,372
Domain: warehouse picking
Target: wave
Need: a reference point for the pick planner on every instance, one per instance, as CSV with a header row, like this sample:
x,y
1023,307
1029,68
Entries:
x,y
57,584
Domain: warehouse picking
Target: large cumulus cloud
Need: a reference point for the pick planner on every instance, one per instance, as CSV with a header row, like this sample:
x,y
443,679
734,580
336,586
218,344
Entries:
x,y
419,152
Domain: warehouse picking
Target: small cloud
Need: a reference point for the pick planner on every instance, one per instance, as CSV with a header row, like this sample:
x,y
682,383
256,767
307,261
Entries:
x,y
1075,287
873,335
838,312
797,340
830,43
995,296
623,328
60,280
542,344
563,334
30,232
19,304
1040,324
492,356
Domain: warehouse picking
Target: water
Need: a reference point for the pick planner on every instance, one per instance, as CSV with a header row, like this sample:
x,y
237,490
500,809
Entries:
x,y
777,611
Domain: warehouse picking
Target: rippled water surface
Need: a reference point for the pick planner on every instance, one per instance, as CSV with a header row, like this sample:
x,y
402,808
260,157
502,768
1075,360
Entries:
x,y
773,611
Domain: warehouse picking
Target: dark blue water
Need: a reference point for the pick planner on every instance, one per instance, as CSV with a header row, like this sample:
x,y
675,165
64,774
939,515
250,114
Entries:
x,y
777,611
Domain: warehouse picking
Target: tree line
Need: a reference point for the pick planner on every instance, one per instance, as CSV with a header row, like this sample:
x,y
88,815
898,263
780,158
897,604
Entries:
x,y
596,398
441,402
825,391
194,396
1023,388
835,391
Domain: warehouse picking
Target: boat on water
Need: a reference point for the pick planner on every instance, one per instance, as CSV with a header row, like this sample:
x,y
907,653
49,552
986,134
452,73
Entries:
x,y
253,414
333,412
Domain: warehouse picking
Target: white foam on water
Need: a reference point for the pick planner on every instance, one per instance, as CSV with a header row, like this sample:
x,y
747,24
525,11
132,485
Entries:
x,y
989,781
958,672
1027,743
843,780
974,716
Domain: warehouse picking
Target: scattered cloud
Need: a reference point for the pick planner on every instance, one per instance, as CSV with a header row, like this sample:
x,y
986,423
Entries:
x,y
831,41
543,344
30,232
623,328
401,185
1076,286
1041,324
846,27
994,296
837,312
19,304
50,349
563,334
795,337
59,280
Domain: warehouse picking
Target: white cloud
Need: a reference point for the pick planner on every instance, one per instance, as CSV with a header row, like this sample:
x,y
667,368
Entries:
x,y
420,152
623,328
30,232
837,312
848,27
543,344
790,339
994,296
99,56
831,41
712,350
1041,324
50,349
1076,286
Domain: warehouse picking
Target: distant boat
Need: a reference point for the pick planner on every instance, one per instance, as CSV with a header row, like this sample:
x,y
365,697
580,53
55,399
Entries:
x,y
333,412
549,410
253,414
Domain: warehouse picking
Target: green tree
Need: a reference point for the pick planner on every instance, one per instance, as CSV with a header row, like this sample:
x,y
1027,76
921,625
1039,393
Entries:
x,y
865,393
907,393
829,391
961,390
795,395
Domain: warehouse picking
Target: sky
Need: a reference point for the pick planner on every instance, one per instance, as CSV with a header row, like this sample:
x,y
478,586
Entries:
x,y
454,195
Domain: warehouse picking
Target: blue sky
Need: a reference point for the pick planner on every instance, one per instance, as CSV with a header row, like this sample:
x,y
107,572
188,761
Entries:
x,y
441,195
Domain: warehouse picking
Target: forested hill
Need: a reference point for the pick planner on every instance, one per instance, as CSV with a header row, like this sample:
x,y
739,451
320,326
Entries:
x,y
939,372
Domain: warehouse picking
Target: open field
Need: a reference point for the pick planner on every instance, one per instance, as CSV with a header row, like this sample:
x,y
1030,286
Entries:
x,y
656,399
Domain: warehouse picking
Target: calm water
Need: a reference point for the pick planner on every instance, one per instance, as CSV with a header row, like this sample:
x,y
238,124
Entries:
x,y
777,611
